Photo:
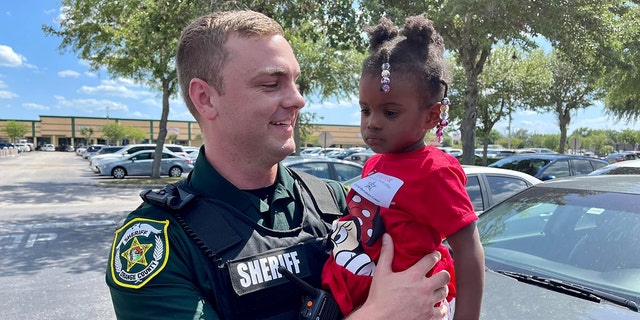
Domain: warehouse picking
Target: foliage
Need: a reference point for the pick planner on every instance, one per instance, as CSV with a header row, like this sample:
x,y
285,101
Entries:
x,y
172,137
87,133
134,134
135,39
113,133
573,88
507,85
14,129
472,28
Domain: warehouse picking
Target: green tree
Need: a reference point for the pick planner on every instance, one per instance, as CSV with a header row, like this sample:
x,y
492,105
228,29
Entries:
x,y
172,138
113,132
135,39
507,85
628,139
87,133
134,134
573,88
15,130
472,28
622,81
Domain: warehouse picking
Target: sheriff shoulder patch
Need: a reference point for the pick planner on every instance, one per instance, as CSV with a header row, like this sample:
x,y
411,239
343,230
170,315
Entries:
x,y
139,252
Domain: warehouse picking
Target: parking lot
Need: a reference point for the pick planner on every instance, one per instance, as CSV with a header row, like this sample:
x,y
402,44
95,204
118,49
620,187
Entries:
x,y
56,228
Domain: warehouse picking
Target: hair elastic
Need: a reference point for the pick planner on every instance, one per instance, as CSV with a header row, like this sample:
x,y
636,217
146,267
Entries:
x,y
385,81
444,114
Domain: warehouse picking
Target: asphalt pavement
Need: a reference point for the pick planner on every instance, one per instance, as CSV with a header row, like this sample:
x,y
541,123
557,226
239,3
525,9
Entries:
x,y
56,227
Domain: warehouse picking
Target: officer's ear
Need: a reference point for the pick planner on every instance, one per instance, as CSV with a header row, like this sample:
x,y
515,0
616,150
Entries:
x,y
201,94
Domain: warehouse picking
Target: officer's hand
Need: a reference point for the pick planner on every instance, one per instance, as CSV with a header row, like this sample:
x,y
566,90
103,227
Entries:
x,y
407,294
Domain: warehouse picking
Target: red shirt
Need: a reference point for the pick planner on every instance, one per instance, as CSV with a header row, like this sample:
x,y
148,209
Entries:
x,y
426,201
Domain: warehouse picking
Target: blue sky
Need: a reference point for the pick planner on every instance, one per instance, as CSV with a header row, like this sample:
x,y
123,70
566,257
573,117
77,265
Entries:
x,y
37,79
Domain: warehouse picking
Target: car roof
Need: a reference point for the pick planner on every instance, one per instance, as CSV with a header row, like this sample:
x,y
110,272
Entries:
x,y
298,159
627,163
627,183
471,169
549,156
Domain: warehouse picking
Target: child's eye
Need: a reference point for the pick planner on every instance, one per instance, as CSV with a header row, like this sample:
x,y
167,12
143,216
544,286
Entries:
x,y
391,114
365,112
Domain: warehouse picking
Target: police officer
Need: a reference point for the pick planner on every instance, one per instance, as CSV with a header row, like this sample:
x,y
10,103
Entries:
x,y
210,247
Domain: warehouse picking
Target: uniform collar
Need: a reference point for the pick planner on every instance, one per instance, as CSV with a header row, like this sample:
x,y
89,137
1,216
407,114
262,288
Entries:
x,y
206,181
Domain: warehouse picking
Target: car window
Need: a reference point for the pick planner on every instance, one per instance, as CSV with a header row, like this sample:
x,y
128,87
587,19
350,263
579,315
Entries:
x,y
318,169
582,167
175,148
142,156
557,169
167,156
503,187
346,172
139,148
598,164
473,190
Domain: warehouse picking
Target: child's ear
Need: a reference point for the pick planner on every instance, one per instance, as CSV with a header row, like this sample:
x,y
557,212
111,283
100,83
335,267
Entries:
x,y
433,116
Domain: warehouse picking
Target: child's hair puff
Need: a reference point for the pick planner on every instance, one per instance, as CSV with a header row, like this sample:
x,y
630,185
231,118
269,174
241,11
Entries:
x,y
417,51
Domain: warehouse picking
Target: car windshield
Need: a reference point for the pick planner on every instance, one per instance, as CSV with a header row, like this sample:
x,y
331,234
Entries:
x,y
527,165
585,237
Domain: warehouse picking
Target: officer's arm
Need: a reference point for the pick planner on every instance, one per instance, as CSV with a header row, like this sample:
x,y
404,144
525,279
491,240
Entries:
x,y
152,273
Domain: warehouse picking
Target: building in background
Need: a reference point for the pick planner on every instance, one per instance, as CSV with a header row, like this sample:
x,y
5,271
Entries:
x,y
61,130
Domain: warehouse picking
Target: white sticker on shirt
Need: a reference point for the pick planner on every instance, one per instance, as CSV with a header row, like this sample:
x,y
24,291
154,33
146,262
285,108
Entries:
x,y
378,188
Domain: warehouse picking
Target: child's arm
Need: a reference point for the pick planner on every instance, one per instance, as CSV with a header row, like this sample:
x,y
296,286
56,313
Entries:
x,y
468,257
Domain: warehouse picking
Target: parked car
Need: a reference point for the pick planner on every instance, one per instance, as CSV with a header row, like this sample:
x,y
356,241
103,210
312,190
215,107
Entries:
x,y
48,147
325,168
565,249
621,156
345,153
360,157
549,166
488,186
133,148
91,150
104,150
80,149
624,167
141,162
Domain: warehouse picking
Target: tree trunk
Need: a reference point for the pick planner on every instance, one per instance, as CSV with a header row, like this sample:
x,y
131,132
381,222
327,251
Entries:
x,y
564,118
162,133
470,118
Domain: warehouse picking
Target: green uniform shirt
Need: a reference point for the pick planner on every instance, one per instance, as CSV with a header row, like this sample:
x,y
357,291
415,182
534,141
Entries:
x,y
156,272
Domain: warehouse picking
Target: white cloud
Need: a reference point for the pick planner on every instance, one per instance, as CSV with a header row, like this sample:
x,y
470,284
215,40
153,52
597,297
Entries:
x,y
7,94
68,73
35,106
2,84
50,11
118,88
90,106
9,58
90,74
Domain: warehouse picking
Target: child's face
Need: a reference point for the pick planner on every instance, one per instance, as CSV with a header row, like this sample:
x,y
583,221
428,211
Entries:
x,y
396,121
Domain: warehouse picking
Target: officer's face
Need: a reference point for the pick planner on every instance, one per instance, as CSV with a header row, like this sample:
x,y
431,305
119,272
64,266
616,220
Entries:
x,y
261,101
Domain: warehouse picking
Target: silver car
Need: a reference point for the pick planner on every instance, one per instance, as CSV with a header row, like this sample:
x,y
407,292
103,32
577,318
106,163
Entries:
x,y
141,162
568,248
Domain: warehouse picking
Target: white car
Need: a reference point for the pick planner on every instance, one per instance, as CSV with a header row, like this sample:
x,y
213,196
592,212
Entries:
x,y
488,186
48,147
141,164
133,148
622,167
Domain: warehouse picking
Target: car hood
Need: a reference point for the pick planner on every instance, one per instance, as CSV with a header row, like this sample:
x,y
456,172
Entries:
x,y
506,298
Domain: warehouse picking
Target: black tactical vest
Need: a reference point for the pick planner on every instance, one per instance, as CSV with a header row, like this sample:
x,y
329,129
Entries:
x,y
245,256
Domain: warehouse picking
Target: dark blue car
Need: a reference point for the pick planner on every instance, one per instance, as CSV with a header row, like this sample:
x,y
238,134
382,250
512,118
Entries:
x,y
549,166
